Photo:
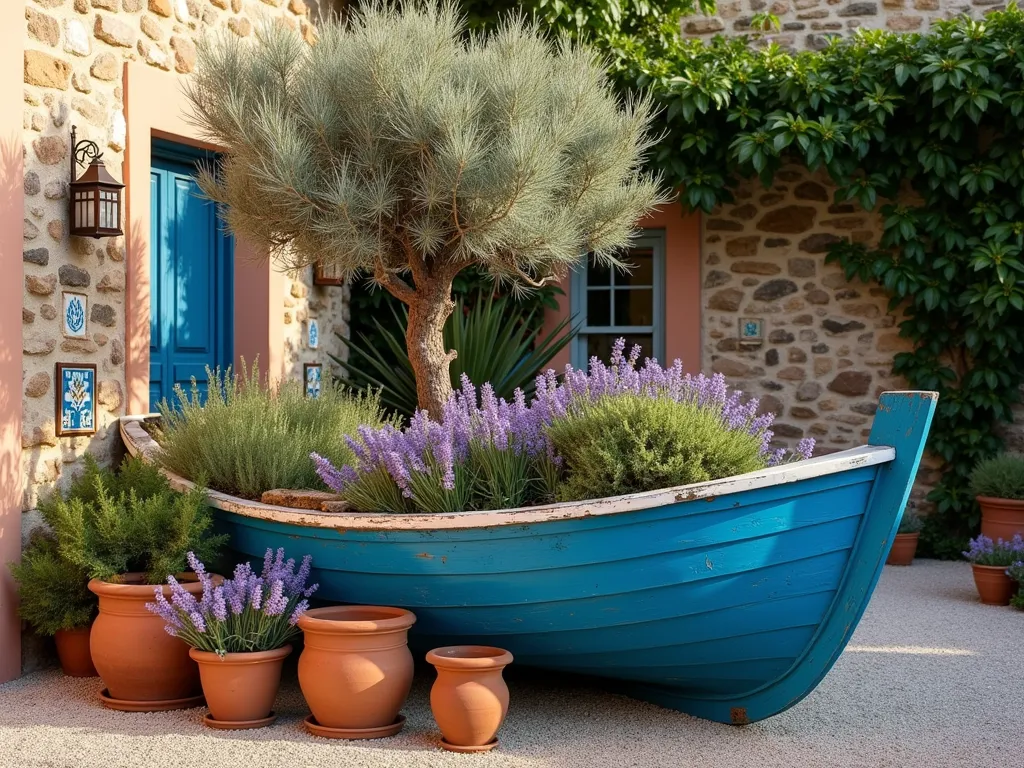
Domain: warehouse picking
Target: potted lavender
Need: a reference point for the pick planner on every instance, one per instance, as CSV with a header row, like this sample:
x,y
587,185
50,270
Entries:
x,y
238,631
990,561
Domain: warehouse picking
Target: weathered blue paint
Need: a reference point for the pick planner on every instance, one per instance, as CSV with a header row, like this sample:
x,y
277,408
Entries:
x,y
191,276
730,608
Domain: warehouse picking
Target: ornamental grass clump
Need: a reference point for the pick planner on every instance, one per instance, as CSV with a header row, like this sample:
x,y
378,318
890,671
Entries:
x,y
248,436
983,551
612,429
1001,477
243,614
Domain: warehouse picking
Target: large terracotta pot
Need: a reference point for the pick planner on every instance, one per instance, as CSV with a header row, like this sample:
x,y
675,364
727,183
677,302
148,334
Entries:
x,y
994,586
469,699
1001,518
355,669
136,658
240,688
903,549
73,652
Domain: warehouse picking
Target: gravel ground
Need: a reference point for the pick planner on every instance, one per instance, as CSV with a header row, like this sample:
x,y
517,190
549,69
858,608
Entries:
x,y
932,678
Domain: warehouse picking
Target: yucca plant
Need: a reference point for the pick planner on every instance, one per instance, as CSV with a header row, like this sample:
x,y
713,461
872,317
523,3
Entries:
x,y
496,341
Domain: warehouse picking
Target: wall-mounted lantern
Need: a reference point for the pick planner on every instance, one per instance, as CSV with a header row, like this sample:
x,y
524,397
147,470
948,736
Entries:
x,y
96,197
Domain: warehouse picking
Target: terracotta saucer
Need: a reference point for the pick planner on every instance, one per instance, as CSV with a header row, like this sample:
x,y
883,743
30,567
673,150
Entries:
x,y
238,725
482,748
124,705
354,733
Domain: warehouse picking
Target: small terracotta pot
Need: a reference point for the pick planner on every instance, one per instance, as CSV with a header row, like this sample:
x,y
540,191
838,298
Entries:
x,y
136,658
1001,518
240,688
994,586
355,669
469,699
903,549
73,652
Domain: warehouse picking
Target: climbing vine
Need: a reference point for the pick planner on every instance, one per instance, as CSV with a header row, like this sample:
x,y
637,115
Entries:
x,y
925,127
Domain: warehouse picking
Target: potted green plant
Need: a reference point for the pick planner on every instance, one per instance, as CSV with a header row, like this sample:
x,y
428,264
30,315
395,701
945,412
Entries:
x,y
238,632
54,600
1016,572
905,545
990,561
998,484
128,531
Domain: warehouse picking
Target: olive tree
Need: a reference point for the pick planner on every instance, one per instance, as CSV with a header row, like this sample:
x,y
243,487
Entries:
x,y
401,147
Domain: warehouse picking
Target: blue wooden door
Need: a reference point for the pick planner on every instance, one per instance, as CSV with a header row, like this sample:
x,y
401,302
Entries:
x,y
191,276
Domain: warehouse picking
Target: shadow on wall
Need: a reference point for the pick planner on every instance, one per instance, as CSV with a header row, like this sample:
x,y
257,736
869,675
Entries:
x,y
11,213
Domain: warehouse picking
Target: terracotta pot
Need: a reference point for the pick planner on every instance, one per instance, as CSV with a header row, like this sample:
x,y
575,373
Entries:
x,y
136,658
994,586
469,699
1001,518
903,549
355,669
240,688
73,652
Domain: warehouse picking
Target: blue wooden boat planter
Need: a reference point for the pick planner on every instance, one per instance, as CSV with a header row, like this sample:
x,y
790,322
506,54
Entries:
x,y
729,600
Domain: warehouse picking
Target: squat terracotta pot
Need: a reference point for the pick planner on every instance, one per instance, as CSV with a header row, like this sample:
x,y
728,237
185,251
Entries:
x,y
355,669
142,667
240,688
903,549
994,586
469,699
73,652
1001,518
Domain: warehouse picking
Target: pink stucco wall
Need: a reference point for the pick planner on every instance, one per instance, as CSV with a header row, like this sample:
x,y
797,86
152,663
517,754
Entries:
x,y
12,210
155,108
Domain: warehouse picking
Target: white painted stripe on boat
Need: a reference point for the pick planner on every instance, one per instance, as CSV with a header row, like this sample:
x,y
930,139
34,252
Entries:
x,y
139,442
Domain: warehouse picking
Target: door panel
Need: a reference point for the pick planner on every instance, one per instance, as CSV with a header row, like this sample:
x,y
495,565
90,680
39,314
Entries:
x,y
191,275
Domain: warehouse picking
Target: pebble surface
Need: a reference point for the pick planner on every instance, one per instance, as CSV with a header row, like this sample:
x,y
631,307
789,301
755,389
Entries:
x,y
931,678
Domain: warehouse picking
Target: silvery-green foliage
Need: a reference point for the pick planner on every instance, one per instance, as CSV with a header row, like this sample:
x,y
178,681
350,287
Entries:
x,y
397,135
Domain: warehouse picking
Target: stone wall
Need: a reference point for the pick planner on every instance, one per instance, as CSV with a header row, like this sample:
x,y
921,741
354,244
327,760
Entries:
x,y
73,64
328,305
827,344
807,24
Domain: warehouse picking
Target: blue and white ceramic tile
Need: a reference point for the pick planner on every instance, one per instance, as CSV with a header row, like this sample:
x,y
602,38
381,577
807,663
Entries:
x,y
314,334
75,306
314,374
751,329
78,399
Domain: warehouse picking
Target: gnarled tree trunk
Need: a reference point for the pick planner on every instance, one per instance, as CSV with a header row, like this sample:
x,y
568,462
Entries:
x,y
424,342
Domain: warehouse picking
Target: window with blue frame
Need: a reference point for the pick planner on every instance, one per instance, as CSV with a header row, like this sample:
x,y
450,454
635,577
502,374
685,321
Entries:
x,y
607,303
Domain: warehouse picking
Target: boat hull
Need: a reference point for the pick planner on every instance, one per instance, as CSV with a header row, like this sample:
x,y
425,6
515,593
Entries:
x,y
729,602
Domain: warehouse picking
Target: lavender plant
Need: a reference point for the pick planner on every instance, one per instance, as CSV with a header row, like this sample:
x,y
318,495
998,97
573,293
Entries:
x,y
983,551
488,453
243,614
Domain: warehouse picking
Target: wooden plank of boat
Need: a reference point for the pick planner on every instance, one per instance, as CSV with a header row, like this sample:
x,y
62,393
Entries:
x,y
729,600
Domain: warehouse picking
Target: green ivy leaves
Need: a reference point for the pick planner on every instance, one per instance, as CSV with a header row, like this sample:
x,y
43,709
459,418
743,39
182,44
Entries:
x,y
924,128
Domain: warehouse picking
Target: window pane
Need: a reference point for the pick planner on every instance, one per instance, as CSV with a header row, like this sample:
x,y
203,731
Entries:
x,y
634,307
641,271
598,274
600,344
599,307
